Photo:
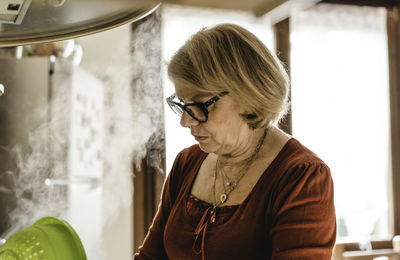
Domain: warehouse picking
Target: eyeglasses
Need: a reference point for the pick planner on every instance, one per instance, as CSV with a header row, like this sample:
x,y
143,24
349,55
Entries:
x,y
197,110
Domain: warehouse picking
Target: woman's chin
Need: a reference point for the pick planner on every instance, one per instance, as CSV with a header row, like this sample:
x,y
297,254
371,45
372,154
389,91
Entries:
x,y
205,147
209,148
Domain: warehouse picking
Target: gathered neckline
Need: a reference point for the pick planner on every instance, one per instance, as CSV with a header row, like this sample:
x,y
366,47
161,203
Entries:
x,y
205,204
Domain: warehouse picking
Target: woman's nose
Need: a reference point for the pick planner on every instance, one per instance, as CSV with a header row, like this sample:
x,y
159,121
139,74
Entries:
x,y
187,120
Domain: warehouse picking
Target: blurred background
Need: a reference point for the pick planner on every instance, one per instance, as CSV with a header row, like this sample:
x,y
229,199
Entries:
x,y
85,133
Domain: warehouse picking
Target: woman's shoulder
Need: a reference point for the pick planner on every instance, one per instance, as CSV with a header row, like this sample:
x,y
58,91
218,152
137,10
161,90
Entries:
x,y
190,155
296,163
294,153
188,160
300,170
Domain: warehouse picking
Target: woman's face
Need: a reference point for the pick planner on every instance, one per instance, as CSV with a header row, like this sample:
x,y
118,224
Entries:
x,y
225,131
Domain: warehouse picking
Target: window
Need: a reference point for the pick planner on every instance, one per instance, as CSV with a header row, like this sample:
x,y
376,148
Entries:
x,y
340,109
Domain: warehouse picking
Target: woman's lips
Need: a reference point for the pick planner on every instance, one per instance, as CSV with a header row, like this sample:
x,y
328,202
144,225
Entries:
x,y
200,138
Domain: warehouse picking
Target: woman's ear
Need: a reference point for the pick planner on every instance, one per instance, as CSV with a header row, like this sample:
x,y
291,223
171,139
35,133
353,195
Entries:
x,y
249,116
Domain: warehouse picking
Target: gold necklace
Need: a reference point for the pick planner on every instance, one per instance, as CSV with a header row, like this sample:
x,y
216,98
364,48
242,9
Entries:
x,y
232,185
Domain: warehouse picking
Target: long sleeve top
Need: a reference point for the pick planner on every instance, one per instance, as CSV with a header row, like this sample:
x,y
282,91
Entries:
x,y
289,214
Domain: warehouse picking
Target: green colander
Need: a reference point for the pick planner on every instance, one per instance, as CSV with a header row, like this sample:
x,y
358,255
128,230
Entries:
x,y
48,238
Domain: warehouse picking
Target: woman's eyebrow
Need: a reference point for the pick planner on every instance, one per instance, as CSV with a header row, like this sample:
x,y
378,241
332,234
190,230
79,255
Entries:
x,y
193,99
201,95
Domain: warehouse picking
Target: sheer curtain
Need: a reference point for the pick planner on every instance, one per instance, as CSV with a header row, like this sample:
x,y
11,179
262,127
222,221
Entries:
x,y
340,102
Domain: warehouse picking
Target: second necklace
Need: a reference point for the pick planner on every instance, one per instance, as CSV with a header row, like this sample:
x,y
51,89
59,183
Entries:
x,y
231,186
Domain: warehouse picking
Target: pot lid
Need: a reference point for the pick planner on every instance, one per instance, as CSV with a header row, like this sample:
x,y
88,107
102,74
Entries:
x,y
36,21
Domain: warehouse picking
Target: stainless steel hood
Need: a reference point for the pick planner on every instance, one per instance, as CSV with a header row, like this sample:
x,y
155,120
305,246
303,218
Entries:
x,y
279,9
36,21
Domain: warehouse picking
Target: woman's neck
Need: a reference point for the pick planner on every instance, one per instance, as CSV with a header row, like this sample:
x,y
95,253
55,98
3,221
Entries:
x,y
253,144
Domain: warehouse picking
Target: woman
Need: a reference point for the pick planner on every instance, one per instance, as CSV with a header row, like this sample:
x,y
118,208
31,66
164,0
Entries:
x,y
247,190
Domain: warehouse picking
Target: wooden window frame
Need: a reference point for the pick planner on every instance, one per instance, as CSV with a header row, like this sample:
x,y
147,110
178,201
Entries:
x,y
393,28
282,49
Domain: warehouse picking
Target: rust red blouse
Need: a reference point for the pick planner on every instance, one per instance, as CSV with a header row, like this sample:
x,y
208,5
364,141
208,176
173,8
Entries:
x,y
289,214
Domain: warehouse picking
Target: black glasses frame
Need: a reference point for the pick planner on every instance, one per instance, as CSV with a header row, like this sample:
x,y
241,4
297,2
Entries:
x,y
186,107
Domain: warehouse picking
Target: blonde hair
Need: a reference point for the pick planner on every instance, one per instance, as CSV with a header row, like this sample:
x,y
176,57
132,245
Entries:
x,y
229,58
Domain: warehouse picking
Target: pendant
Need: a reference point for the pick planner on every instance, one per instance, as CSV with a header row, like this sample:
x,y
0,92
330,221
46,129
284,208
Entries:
x,y
212,219
228,183
223,197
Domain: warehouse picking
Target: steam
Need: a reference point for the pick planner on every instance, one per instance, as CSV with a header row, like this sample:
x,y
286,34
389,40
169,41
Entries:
x,y
43,157
34,198
147,86
132,117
